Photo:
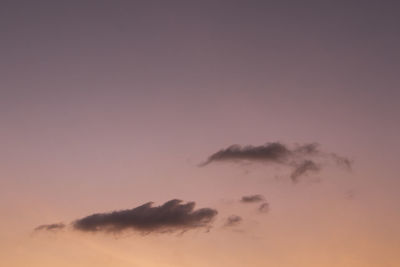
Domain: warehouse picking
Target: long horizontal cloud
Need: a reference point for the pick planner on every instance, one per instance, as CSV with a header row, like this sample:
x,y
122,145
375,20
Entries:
x,y
302,159
271,152
252,199
169,217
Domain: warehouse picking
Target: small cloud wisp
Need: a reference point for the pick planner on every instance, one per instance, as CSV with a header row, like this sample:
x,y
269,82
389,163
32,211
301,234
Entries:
x,y
252,199
50,227
233,220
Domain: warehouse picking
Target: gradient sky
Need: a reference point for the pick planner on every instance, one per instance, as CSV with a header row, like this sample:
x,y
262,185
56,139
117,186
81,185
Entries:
x,y
107,105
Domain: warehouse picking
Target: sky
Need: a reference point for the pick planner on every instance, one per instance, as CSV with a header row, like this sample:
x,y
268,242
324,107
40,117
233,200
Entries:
x,y
199,133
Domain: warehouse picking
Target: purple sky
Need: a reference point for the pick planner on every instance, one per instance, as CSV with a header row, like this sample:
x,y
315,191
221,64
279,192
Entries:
x,y
107,105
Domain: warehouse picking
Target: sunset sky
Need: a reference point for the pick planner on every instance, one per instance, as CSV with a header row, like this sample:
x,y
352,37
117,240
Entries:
x,y
199,133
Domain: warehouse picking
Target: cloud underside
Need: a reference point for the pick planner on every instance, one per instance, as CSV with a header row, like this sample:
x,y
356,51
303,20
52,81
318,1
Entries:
x,y
170,217
301,159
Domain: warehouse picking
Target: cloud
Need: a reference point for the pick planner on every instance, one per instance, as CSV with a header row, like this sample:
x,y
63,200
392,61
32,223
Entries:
x,y
264,207
342,161
170,217
252,199
303,168
302,159
50,227
271,152
233,220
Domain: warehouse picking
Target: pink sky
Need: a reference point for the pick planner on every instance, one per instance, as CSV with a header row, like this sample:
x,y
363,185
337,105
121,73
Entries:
x,y
107,105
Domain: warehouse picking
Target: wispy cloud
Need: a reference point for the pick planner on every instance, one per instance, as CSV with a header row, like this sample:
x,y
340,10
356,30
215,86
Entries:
x,y
302,159
264,207
233,220
50,227
303,168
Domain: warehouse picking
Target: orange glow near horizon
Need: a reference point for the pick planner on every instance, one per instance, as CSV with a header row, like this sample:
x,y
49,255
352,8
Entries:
x,y
106,106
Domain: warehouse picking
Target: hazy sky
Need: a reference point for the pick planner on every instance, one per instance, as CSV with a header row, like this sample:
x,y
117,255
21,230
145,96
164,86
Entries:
x,y
108,105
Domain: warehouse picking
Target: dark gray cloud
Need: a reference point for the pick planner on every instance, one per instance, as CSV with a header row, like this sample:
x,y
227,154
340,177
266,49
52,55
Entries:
x,y
302,159
271,152
170,217
50,227
252,199
264,207
233,220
